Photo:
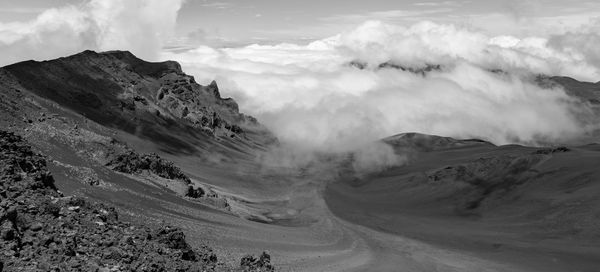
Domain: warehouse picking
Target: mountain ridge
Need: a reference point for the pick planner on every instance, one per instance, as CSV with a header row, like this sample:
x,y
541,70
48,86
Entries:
x,y
121,91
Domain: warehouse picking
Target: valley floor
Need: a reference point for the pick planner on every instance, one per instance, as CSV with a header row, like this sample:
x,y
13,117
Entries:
x,y
377,224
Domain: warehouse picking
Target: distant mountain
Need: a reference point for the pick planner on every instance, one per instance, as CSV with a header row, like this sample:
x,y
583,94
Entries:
x,y
424,142
587,91
419,70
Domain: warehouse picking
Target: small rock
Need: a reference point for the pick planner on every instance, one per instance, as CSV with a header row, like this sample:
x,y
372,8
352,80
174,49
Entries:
x,y
43,266
36,226
7,231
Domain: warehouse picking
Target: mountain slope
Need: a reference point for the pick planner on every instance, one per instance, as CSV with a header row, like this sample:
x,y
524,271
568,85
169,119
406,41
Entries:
x,y
534,207
155,101
142,137
587,91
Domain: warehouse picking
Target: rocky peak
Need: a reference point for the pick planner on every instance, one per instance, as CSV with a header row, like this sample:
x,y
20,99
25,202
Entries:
x,y
212,87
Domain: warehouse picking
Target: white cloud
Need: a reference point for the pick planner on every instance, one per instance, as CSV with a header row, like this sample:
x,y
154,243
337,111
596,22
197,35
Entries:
x,y
581,44
441,3
136,25
217,5
20,10
308,95
387,15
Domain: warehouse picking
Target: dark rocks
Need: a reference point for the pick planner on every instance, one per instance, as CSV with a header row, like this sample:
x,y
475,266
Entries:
x,y
252,263
358,64
131,162
214,89
140,99
548,151
236,129
195,192
42,231
7,231
127,104
172,237
421,70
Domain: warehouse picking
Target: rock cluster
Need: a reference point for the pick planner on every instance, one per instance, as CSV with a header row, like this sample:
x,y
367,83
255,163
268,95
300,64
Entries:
x,y
262,263
195,192
548,151
41,230
185,99
131,162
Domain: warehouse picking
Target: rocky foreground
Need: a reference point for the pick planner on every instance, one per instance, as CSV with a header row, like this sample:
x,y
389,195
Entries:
x,y
42,230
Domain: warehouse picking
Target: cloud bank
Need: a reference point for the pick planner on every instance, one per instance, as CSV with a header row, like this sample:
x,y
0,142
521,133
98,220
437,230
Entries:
x,y
310,95
140,26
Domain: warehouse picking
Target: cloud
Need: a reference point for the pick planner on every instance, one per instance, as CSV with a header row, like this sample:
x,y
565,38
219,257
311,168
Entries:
x,y
428,42
581,44
136,25
217,5
441,3
20,10
387,15
309,95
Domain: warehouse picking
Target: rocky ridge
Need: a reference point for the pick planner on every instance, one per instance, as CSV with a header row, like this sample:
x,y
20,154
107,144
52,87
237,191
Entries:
x,y
418,70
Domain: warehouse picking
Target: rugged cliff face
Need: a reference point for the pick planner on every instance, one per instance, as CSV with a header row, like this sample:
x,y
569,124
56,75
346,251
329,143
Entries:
x,y
153,100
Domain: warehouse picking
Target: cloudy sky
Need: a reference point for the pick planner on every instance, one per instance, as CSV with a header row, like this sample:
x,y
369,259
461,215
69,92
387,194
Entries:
x,y
228,22
286,62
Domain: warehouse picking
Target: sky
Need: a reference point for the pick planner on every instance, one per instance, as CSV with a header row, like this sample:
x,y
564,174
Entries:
x,y
287,62
234,22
